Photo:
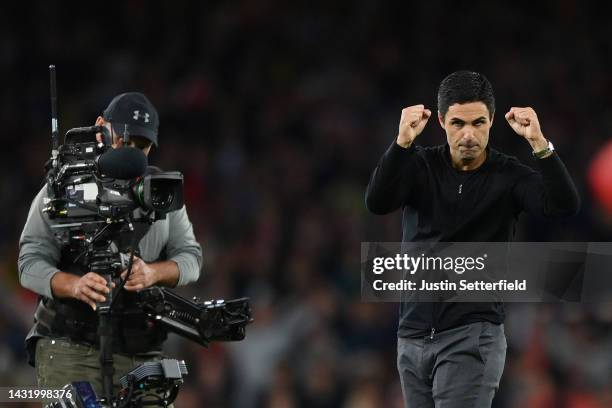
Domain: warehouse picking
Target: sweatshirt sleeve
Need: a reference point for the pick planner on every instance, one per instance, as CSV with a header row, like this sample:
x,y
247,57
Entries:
x,y
183,248
549,192
39,251
391,183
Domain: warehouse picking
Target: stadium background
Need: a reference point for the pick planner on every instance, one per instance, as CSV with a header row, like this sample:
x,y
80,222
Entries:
x,y
276,113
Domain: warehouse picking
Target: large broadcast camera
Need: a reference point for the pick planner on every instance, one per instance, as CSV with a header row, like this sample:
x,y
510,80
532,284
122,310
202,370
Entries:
x,y
102,201
89,180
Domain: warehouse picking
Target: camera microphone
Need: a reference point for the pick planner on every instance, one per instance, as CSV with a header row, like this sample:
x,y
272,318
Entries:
x,y
125,163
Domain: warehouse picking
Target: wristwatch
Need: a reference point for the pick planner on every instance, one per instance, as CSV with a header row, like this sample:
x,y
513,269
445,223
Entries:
x,y
542,153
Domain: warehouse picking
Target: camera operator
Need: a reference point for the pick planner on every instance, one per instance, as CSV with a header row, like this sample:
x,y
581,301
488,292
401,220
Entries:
x,y
63,344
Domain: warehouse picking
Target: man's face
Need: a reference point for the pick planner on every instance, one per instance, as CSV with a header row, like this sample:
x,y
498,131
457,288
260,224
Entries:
x,y
467,131
117,140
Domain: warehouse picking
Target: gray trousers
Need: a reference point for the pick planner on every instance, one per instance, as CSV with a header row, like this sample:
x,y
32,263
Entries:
x,y
459,367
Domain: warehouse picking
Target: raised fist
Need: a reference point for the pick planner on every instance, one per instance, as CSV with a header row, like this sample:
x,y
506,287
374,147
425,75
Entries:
x,y
525,123
413,120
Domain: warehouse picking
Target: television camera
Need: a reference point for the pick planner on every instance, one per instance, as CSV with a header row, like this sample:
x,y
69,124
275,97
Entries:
x,y
102,201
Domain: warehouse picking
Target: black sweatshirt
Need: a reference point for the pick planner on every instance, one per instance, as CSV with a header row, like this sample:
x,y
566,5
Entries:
x,y
442,204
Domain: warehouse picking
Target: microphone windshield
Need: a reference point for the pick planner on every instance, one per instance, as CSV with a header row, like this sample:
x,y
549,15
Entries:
x,y
124,163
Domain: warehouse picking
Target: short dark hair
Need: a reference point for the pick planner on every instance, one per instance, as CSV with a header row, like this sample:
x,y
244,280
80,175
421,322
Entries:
x,y
464,87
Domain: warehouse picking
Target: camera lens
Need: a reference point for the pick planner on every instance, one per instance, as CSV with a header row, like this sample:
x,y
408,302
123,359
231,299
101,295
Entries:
x,y
161,198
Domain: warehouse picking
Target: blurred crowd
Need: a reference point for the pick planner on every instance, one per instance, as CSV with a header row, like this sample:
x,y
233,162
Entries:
x,y
276,113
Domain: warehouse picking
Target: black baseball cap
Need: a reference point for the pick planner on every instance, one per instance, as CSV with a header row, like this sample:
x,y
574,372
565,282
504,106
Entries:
x,y
132,113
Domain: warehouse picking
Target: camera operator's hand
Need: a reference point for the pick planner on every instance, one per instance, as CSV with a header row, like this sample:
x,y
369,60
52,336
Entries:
x,y
90,288
142,276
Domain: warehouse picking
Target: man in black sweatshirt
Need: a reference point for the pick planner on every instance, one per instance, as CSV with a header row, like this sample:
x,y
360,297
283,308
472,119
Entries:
x,y
453,354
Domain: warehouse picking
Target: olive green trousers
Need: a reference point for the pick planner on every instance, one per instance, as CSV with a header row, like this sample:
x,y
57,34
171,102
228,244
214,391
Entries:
x,y
61,361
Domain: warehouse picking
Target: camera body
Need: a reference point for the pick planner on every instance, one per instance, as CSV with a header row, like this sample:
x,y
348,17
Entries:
x,y
88,180
101,200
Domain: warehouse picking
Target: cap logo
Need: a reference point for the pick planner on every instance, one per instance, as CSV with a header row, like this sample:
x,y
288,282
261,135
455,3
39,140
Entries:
x,y
138,115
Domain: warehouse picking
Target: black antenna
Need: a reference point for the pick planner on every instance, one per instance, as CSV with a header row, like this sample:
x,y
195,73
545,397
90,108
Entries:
x,y
54,120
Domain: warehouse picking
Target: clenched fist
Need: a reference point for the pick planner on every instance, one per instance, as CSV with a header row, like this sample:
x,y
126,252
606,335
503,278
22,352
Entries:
x,y
413,120
524,122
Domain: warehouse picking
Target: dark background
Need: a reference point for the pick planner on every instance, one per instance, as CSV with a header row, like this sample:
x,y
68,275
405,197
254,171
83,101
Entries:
x,y
276,113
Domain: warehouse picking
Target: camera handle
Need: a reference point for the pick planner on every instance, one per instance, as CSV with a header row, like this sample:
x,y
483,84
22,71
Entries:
x,y
103,264
105,330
